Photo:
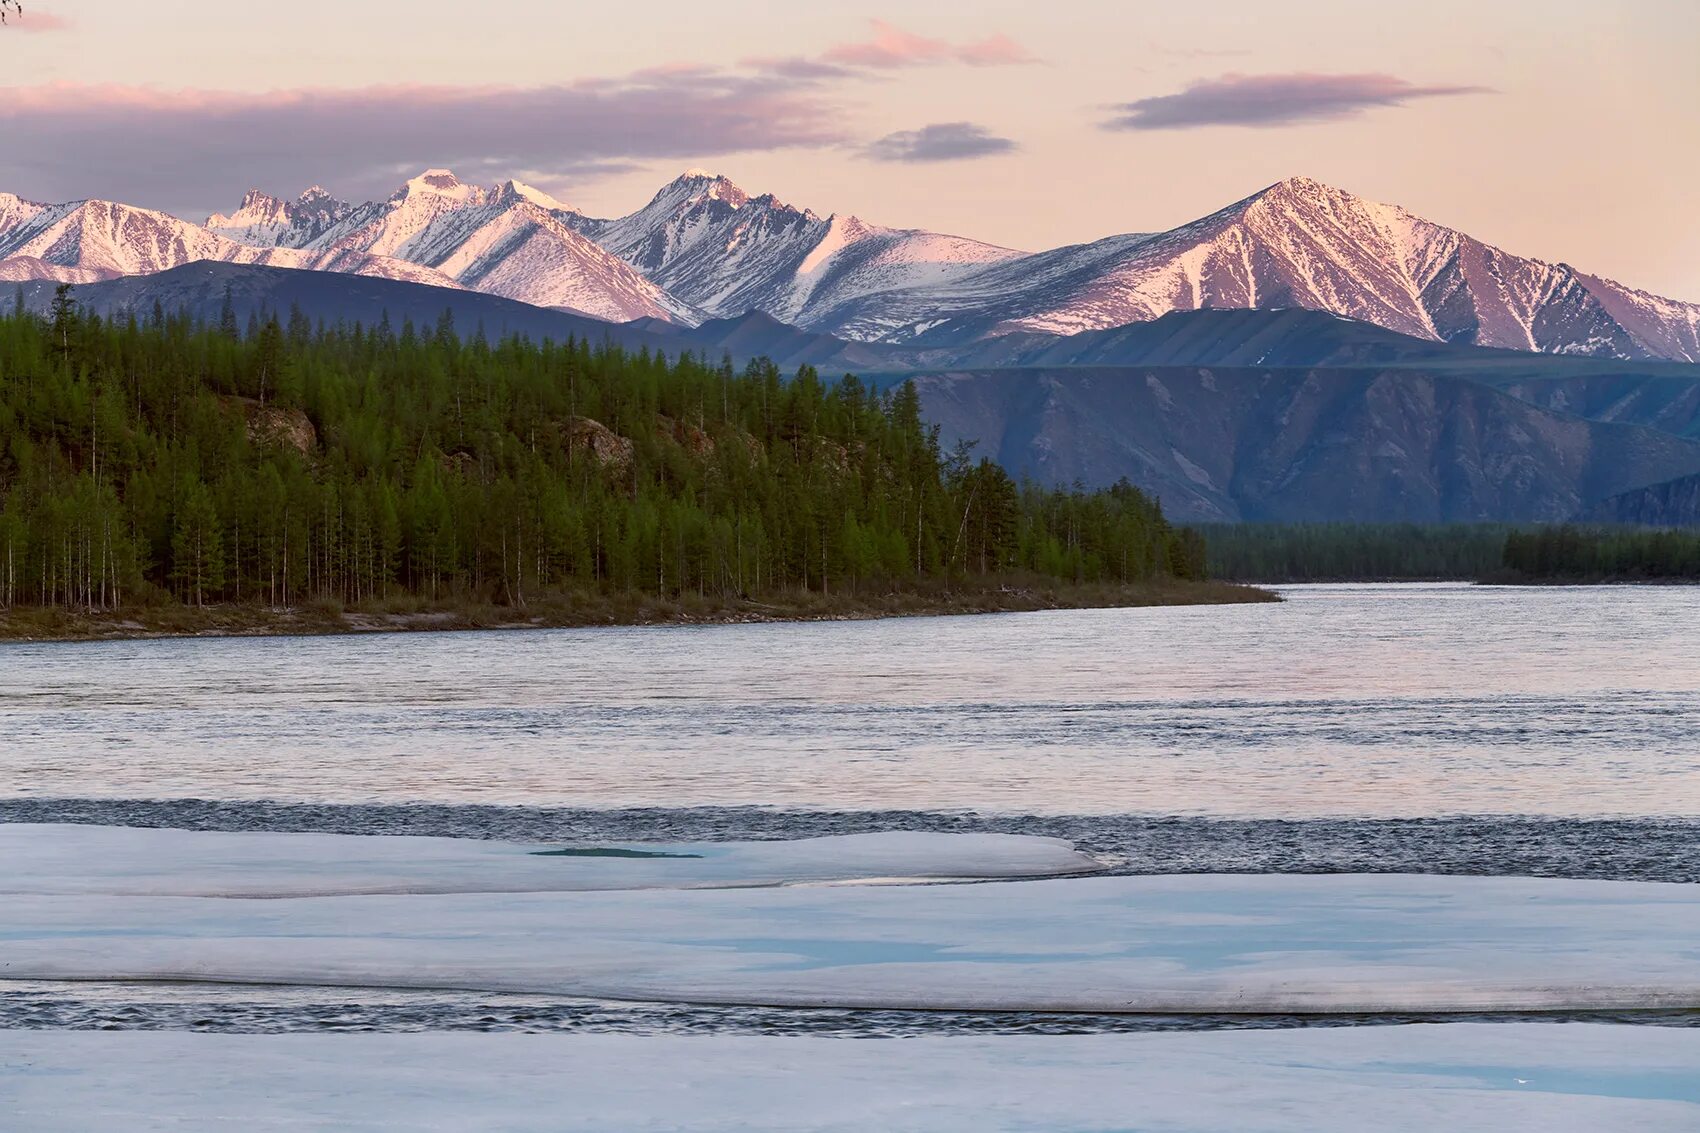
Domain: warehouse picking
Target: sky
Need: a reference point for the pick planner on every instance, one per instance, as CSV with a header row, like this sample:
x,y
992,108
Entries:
x,y
1560,129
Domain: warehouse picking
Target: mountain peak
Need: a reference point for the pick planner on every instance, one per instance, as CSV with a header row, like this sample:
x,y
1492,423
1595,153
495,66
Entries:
x,y
1299,183
1301,189
1308,195
257,207
519,190
698,185
437,183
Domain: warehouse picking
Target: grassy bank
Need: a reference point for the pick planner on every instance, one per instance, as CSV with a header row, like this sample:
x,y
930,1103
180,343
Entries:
x,y
606,609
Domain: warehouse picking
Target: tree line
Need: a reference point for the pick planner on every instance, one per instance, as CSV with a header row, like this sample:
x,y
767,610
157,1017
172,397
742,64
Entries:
x,y
150,458
1601,554
1495,552
1353,552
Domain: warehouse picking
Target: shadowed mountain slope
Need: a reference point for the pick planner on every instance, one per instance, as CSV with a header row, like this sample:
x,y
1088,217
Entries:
x,y
1243,443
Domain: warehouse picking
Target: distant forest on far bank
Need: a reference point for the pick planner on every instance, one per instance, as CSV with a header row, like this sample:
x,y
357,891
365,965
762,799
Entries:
x,y
1601,554
152,460
1467,552
1353,552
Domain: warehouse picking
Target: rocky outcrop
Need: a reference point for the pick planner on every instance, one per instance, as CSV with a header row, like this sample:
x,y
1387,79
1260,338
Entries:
x,y
687,436
277,426
602,444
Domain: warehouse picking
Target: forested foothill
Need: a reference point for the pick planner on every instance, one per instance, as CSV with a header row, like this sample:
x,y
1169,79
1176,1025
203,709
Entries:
x,y
154,462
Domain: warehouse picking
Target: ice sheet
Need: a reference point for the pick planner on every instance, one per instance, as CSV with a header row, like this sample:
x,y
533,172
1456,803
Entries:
x,y
68,859
1208,943
1406,1079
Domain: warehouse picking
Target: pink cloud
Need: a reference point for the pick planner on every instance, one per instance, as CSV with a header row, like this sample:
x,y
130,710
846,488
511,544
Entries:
x,y
35,20
892,47
174,149
995,51
193,150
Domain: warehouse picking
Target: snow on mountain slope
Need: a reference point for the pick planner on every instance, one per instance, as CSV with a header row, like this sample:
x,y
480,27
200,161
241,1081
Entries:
x,y
705,248
265,221
1295,244
22,269
709,242
82,241
15,211
1669,329
354,263
903,313
113,238
505,241
513,247
856,259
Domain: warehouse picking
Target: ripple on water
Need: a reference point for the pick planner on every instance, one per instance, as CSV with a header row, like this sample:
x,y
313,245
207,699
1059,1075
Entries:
x,y
1359,701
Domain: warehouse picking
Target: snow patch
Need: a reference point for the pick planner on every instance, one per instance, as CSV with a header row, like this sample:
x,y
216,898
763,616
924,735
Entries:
x,y
65,859
1399,1079
1197,943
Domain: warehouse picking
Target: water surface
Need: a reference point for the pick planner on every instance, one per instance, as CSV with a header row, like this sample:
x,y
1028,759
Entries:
x,y
1346,701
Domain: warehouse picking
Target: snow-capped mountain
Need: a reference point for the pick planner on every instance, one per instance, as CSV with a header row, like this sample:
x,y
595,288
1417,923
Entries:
x,y
726,252
265,221
507,241
82,241
1666,327
705,248
1295,244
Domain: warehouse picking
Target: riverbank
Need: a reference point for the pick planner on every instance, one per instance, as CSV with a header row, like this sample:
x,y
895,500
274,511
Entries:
x,y
592,608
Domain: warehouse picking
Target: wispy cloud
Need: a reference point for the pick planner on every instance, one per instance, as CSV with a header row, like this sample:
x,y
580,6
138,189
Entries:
x,y
893,47
194,150
174,147
1274,100
942,141
995,51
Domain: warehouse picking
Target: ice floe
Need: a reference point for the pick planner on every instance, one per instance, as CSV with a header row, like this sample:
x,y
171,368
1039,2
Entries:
x,y
1398,1079
71,859
1199,943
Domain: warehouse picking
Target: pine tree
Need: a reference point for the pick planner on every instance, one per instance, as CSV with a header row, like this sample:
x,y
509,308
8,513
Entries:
x,y
197,546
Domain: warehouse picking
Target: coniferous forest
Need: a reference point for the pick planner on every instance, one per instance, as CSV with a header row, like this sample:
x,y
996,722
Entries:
x,y
149,460
1608,554
1486,552
1354,552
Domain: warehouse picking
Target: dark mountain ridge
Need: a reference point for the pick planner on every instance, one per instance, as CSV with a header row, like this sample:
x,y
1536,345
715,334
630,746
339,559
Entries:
x,y
1224,414
1229,444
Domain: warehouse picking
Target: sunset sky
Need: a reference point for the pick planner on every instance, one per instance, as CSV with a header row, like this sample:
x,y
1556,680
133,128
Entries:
x,y
1563,129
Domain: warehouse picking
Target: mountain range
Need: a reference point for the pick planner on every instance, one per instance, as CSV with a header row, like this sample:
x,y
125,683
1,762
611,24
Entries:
x,y
704,249
1300,354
